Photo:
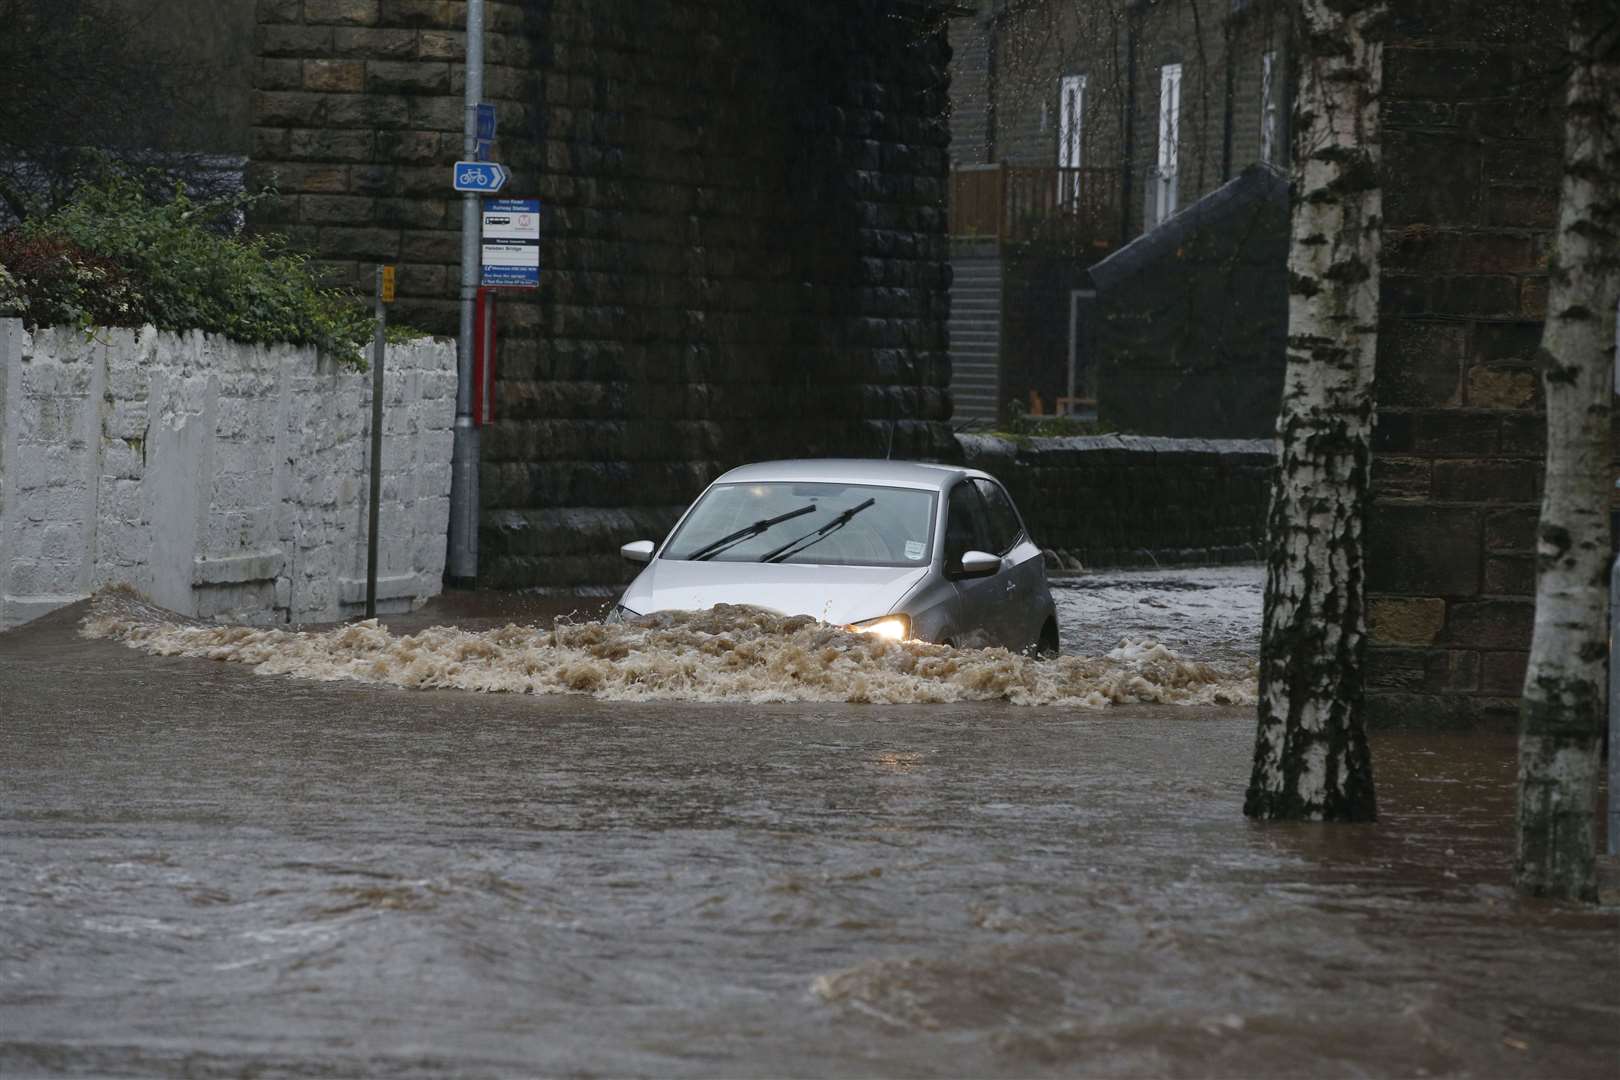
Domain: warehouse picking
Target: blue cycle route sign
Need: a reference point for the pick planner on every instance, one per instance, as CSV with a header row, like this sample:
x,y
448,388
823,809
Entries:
x,y
485,176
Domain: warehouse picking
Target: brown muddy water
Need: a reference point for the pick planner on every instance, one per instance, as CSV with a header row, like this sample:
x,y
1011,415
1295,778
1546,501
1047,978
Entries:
x,y
209,872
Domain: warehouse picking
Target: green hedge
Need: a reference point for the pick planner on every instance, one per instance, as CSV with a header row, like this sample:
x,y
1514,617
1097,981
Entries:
x,y
114,257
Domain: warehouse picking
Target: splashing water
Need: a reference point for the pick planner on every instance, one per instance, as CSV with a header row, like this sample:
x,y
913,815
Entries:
x,y
728,653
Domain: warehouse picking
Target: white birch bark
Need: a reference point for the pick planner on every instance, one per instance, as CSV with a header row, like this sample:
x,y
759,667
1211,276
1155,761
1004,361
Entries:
x,y
1311,760
1565,694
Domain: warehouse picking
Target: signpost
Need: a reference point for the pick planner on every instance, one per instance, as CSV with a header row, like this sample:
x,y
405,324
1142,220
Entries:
x,y
511,243
461,558
487,177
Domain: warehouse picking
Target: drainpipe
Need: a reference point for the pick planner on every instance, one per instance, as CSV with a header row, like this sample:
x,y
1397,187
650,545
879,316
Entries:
x,y
992,26
462,565
1128,159
1226,124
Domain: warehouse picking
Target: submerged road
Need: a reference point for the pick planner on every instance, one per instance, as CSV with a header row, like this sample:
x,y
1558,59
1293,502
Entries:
x,y
213,873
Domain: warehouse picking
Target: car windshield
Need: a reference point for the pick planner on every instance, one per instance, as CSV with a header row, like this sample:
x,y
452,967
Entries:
x,y
827,524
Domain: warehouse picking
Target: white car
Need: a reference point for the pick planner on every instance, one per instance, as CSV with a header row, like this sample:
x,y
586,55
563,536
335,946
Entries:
x,y
906,550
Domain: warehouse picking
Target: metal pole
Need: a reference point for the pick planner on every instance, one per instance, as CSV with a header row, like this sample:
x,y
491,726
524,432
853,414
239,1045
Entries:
x,y
1074,335
1614,707
1614,638
462,566
377,352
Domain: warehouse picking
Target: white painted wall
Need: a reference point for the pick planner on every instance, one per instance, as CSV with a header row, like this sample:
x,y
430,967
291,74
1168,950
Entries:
x,y
214,477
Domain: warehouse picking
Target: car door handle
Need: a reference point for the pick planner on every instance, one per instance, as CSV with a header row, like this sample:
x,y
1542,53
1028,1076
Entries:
x,y
1011,585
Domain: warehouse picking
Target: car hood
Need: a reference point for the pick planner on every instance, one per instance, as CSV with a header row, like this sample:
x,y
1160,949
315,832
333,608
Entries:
x,y
835,594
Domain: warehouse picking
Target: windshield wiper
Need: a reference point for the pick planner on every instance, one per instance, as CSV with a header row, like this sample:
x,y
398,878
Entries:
x,y
730,540
789,549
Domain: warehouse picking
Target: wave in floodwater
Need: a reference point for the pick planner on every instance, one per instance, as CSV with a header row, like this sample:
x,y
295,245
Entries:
x,y
728,653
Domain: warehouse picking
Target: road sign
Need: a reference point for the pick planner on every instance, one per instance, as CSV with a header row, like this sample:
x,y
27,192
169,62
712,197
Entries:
x,y
483,149
484,130
485,176
388,284
511,243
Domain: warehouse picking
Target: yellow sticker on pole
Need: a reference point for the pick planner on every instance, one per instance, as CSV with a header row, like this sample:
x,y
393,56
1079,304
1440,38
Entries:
x,y
388,284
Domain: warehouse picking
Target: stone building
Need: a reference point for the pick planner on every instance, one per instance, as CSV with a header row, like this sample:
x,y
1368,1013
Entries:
x,y
743,248
1076,128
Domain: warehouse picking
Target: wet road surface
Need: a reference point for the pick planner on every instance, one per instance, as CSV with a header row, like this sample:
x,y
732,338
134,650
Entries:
x,y
208,872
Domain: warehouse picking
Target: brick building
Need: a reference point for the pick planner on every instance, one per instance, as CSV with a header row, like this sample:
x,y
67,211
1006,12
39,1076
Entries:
x,y
743,247
1076,127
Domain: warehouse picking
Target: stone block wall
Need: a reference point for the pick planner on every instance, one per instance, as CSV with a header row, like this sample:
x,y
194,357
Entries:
x,y
1123,500
216,478
743,235
1472,158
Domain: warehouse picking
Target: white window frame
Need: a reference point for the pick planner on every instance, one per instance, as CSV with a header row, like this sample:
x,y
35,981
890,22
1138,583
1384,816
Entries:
x,y
1071,129
1269,150
1166,191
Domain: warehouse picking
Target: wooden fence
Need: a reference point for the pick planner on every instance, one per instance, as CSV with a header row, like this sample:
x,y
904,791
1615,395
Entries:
x,y
1019,204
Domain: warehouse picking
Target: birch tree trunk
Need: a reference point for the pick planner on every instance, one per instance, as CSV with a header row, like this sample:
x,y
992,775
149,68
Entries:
x,y
1310,754
1565,694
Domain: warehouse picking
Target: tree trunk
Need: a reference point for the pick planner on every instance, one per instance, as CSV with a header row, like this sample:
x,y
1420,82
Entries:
x,y
1310,754
1565,694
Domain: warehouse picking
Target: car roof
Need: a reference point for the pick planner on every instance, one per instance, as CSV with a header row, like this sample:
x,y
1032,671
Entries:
x,y
910,474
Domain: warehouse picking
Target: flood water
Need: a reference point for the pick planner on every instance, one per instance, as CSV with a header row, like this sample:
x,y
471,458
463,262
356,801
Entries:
x,y
209,872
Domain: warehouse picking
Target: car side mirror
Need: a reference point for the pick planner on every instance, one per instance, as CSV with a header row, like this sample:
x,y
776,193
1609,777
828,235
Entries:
x,y
638,551
979,563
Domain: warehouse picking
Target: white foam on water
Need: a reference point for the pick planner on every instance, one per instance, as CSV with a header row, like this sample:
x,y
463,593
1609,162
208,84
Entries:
x,y
728,653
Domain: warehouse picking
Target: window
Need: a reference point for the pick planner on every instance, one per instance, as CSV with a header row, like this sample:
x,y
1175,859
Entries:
x,y
964,525
1071,121
1005,528
1270,152
1071,126
1169,141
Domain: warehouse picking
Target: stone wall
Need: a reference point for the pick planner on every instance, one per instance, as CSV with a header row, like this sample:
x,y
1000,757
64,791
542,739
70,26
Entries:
x,y
1472,158
1121,500
743,235
214,477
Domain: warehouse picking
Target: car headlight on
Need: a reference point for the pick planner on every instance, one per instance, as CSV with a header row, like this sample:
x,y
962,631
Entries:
x,y
888,627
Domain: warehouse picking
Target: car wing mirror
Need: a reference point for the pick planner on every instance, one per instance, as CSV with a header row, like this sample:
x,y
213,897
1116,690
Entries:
x,y
979,563
638,551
